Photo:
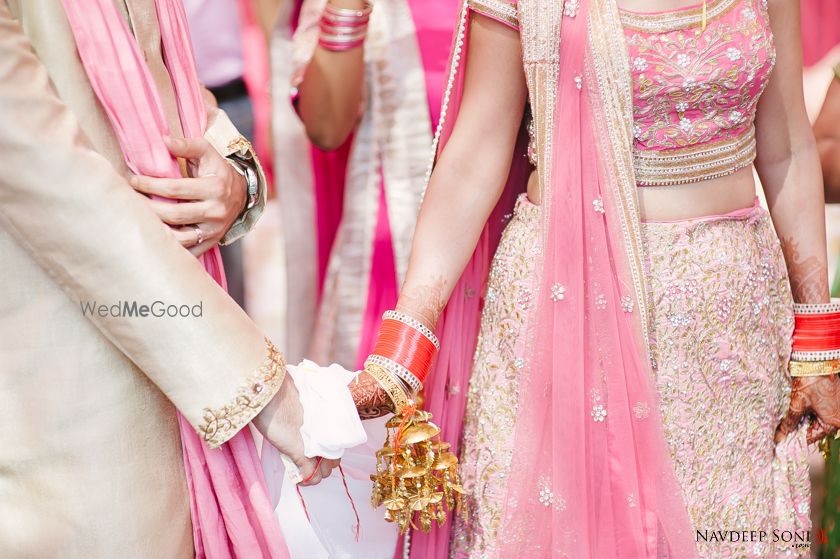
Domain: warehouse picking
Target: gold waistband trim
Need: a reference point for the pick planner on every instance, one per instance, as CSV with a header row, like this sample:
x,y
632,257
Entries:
x,y
673,20
696,163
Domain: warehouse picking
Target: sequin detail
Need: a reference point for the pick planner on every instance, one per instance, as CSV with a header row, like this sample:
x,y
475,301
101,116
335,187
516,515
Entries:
x,y
558,292
722,376
500,10
641,410
493,392
695,94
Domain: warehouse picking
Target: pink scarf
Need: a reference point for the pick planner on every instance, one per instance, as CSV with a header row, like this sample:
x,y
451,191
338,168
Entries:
x,y
231,513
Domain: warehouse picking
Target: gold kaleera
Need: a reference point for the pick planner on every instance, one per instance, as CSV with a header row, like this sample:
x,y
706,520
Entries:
x,y
416,474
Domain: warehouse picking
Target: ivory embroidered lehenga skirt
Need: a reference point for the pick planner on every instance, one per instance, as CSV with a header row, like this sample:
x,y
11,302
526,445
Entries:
x,y
723,321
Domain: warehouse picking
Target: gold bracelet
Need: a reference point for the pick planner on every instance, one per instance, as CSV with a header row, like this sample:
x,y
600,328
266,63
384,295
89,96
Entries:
x,y
837,72
383,376
814,368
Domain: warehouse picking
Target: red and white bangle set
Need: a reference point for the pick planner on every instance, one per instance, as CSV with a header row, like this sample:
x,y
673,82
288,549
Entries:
x,y
404,350
343,29
816,340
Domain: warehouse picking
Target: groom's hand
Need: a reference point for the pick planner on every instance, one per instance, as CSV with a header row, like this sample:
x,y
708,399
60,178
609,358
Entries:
x,y
280,421
212,197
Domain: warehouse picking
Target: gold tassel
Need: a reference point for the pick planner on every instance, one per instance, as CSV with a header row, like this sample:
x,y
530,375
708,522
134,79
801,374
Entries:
x,y
415,473
703,25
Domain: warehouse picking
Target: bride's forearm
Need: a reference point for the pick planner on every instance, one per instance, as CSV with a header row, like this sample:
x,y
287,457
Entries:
x,y
788,162
798,212
472,170
466,184
457,205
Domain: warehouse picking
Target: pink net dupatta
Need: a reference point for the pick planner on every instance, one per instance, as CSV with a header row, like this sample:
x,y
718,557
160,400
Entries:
x,y
446,389
591,475
231,513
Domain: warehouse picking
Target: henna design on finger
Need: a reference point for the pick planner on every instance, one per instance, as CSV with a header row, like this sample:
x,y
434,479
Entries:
x,y
797,409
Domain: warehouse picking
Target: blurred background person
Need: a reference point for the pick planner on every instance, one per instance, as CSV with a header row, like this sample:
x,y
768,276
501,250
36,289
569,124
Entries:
x,y
351,154
369,107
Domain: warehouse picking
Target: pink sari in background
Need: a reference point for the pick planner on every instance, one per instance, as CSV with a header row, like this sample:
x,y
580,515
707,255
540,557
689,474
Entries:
x,y
231,513
363,198
820,29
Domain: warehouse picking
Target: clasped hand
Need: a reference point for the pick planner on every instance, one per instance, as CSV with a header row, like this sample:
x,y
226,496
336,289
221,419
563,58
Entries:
x,y
819,396
212,197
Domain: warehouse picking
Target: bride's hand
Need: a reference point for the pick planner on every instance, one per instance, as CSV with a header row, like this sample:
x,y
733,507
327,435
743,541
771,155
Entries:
x,y
819,396
370,398
280,422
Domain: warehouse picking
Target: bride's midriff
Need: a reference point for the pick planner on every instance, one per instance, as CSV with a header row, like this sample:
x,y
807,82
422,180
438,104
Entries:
x,y
700,199
686,201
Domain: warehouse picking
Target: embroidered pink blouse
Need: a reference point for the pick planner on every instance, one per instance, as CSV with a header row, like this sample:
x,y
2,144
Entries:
x,y
695,89
691,86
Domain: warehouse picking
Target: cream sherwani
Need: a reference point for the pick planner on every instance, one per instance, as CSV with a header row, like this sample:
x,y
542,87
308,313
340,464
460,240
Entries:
x,y
90,457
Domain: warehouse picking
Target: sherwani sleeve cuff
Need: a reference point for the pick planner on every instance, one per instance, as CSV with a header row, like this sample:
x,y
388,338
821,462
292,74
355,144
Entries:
x,y
226,139
222,421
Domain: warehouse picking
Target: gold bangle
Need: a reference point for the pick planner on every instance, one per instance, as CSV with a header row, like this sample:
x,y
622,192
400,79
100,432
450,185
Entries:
x,y
837,72
814,368
383,376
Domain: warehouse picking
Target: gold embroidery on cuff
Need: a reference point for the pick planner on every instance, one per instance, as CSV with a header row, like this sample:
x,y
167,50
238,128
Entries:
x,y
239,146
220,424
501,10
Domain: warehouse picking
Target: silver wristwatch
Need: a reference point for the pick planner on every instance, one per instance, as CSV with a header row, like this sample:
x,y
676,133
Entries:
x,y
251,179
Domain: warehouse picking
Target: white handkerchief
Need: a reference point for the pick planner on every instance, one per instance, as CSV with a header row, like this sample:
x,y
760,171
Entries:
x,y
331,423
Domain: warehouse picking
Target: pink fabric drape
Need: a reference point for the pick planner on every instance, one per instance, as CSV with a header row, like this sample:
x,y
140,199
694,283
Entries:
x,y
231,513
329,172
257,79
583,485
820,29
591,473
382,289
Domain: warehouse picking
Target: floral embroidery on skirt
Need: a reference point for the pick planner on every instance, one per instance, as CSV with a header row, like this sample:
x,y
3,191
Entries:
x,y
722,325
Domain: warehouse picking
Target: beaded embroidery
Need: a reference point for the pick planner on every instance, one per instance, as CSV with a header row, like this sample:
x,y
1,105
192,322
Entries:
x,y
695,92
220,424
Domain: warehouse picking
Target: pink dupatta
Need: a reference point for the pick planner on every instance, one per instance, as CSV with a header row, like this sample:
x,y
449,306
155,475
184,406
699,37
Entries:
x,y
231,513
591,476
